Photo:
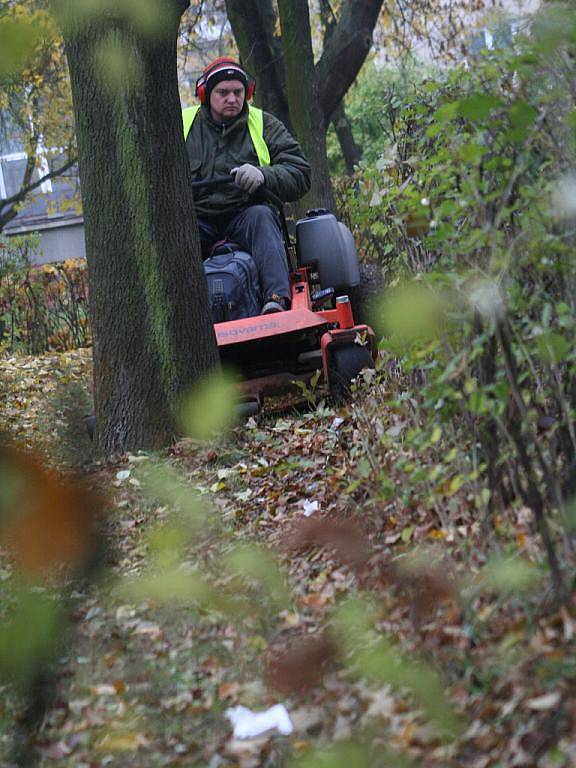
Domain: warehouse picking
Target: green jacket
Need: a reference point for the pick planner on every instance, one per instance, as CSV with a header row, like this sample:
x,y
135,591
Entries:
x,y
214,149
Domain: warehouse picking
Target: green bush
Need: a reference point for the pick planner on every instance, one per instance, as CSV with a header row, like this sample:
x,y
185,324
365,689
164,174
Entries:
x,y
372,106
471,213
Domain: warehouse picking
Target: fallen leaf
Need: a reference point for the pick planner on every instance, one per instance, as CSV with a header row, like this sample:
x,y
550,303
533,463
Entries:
x,y
122,742
103,690
542,703
228,690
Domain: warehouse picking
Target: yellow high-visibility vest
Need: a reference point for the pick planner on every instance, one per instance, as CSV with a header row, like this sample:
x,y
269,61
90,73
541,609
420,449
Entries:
x,y
255,129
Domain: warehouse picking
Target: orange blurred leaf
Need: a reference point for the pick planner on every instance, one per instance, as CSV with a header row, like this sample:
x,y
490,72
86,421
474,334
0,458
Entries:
x,y
45,521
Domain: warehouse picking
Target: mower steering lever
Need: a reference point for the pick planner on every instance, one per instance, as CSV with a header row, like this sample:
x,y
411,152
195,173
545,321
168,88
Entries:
x,y
215,182
261,192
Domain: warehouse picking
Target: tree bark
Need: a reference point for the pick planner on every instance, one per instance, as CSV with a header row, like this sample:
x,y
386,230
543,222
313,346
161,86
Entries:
x,y
350,150
153,335
304,99
253,23
346,51
343,127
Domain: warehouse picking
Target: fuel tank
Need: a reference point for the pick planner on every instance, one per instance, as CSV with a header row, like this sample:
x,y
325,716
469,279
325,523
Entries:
x,y
325,243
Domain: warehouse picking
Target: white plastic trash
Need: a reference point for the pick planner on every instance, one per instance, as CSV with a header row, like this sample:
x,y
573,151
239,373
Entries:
x,y
249,725
310,507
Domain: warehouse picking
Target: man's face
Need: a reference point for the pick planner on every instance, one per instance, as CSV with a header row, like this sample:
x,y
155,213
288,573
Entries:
x,y
226,100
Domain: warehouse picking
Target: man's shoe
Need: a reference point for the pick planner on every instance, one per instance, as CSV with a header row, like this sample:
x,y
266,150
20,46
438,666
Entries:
x,y
275,303
272,306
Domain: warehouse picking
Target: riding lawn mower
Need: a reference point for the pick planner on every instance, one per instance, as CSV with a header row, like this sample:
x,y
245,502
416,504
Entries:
x,y
318,332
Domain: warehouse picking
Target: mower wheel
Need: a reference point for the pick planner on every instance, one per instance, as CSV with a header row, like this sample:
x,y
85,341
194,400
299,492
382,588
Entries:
x,y
346,362
247,408
364,296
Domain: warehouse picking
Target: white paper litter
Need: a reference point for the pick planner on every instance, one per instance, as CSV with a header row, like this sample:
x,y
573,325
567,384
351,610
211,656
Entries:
x,y
310,507
124,474
337,422
248,724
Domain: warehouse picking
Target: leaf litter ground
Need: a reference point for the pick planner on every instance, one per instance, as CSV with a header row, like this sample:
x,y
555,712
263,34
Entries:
x,y
144,681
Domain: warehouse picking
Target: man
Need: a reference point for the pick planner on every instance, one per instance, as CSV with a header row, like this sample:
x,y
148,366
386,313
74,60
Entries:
x,y
227,136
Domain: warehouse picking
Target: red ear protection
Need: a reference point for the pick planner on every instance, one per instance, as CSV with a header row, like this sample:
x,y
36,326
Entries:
x,y
221,63
201,90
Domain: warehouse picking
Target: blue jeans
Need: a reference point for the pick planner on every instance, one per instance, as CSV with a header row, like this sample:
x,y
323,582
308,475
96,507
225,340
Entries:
x,y
256,230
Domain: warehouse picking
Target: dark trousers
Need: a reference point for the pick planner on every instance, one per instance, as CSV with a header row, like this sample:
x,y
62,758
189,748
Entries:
x,y
256,230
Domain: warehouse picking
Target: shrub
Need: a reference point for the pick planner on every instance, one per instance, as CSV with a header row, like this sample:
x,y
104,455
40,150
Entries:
x,y
42,308
472,210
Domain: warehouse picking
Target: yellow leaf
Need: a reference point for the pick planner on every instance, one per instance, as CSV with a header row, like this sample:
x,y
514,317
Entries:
x,y
122,742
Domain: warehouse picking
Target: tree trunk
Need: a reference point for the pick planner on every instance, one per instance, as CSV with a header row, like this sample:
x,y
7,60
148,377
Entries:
x,y
350,150
293,79
304,99
345,51
253,23
153,335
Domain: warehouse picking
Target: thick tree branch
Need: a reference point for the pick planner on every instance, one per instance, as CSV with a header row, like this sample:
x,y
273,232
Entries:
x,y
350,150
253,23
302,92
345,52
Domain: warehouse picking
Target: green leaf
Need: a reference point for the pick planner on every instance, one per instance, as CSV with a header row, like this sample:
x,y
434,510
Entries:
x,y
510,575
407,534
447,112
522,114
477,402
552,347
436,435
363,468
342,756
471,152
456,483
479,106
29,636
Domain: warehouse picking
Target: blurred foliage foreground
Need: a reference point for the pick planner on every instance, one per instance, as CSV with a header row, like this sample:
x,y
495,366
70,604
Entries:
x,y
277,563
400,571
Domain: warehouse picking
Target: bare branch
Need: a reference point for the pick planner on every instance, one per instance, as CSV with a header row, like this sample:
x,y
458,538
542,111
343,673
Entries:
x,y
12,202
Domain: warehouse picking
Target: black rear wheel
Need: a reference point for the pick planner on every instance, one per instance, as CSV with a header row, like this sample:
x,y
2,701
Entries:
x,y
364,296
345,363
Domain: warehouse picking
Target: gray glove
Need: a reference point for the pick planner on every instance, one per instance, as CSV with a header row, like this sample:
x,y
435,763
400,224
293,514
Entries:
x,y
248,177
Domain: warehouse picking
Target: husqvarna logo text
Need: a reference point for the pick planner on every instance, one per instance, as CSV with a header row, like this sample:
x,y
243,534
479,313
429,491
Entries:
x,y
246,330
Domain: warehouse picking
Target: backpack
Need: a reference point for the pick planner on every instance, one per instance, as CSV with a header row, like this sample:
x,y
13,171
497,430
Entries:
x,y
233,285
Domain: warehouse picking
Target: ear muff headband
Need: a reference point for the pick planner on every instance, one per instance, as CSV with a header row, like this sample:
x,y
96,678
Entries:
x,y
201,83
